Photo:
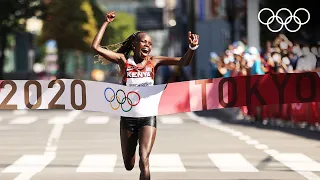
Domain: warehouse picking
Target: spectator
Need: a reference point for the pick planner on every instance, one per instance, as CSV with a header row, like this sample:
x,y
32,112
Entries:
x,y
279,56
293,58
214,58
256,60
307,61
314,50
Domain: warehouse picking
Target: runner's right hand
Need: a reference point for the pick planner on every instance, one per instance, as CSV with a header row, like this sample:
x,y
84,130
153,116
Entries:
x,y
110,16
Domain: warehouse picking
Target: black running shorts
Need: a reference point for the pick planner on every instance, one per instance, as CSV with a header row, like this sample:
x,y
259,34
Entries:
x,y
134,124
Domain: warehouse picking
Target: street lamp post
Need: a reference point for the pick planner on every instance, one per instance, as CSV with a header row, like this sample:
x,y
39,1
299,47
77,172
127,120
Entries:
x,y
253,28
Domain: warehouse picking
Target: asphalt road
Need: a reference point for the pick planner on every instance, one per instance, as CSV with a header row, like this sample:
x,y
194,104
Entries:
x,y
64,145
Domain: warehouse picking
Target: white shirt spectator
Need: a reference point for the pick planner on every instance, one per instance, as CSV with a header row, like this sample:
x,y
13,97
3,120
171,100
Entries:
x,y
308,62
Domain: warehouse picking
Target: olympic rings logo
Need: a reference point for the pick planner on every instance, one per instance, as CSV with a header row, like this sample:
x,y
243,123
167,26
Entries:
x,y
121,102
287,20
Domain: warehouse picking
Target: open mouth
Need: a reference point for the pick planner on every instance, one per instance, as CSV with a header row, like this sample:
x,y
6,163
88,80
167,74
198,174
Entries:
x,y
145,51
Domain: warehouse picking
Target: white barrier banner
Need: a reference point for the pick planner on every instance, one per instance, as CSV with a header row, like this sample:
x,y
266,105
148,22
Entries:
x,y
81,95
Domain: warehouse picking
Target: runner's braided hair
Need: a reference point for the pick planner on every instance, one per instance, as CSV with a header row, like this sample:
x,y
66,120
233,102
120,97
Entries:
x,y
124,47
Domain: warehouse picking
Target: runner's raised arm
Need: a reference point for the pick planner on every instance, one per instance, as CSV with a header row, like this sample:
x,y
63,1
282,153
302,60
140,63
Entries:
x,y
105,53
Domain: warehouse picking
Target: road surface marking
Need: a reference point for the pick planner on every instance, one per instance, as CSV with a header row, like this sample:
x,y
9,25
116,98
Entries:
x,y
232,162
237,134
58,121
171,120
166,163
53,139
245,138
261,146
28,166
309,175
20,112
24,120
298,162
98,163
97,120
64,119
227,130
25,176
272,152
252,142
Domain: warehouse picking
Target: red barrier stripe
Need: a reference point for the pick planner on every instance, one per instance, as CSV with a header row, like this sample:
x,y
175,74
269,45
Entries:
x,y
240,91
272,89
175,99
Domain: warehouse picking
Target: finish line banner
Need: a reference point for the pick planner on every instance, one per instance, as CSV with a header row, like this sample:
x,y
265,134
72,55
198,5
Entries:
x,y
172,98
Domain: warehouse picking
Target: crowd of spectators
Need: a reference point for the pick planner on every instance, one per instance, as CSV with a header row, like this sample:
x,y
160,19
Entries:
x,y
278,56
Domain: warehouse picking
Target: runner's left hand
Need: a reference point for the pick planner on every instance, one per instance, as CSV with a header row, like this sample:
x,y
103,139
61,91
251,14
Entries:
x,y
193,39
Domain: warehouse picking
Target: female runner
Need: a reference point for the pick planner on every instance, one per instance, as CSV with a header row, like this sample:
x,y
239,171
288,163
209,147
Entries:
x,y
143,129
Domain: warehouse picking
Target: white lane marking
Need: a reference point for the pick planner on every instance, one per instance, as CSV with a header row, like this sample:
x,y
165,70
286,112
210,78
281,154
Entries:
x,y
228,130
24,120
74,113
309,175
252,142
237,134
58,120
28,166
261,146
97,163
272,152
171,120
64,119
245,138
52,143
53,139
231,162
20,112
298,162
97,120
194,117
166,163
25,176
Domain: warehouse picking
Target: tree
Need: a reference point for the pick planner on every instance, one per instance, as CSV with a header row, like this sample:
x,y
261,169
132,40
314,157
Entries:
x,y
71,31
99,15
13,18
121,28
76,30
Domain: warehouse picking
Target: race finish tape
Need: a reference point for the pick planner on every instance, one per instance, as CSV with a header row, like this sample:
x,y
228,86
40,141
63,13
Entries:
x,y
195,95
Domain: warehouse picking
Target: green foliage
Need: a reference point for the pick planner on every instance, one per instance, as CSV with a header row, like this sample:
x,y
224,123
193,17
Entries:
x,y
99,15
76,30
14,13
13,16
71,24
91,26
121,28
